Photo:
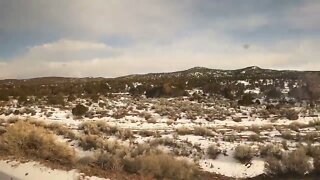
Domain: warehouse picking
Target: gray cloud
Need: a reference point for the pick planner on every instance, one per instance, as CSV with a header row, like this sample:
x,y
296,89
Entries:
x,y
81,38
144,58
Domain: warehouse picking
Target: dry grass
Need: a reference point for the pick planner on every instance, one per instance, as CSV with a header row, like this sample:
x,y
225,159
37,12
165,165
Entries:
x,y
152,120
271,150
286,134
213,151
315,122
255,128
312,150
202,131
91,142
161,166
170,122
243,153
293,163
184,130
296,126
146,133
163,141
124,134
98,128
25,140
311,136
107,161
291,114
254,137
60,129
236,119
316,165
12,120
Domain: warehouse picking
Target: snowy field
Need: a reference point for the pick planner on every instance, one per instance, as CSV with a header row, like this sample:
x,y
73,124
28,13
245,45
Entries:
x,y
182,126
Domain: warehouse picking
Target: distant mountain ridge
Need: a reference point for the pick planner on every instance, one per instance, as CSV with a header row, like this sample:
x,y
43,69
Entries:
x,y
192,73
198,72
228,83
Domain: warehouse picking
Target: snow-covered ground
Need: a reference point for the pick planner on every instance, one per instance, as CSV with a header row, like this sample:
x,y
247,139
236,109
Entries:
x,y
217,116
32,170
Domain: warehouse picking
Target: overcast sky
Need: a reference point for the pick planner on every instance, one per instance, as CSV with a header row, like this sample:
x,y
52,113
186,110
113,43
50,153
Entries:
x,y
109,38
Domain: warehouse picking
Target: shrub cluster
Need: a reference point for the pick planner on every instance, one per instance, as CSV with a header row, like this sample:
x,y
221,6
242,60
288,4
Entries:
x,y
290,114
79,110
271,150
213,151
25,140
161,166
244,153
295,162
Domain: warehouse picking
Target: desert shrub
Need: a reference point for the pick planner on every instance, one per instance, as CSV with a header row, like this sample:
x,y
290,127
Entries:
x,y
4,96
315,122
161,166
94,142
90,128
284,144
311,136
12,120
239,128
254,137
71,98
286,135
2,130
265,114
140,149
230,138
312,150
125,134
246,100
2,121
267,127
255,128
183,131
273,93
274,166
86,160
146,115
98,127
201,131
291,114
243,153
106,128
89,142
163,141
295,162
170,122
60,129
146,133
16,112
25,140
56,100
165,90
107,161
152,120
120,113
236,119
316,165
213,151
37,122
295,126
79,110
270,150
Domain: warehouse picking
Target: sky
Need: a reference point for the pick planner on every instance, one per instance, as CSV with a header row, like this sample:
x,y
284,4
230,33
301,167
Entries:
x,y
110,38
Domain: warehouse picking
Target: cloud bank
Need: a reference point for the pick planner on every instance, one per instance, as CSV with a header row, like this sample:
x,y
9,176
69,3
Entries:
x,y
118,37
